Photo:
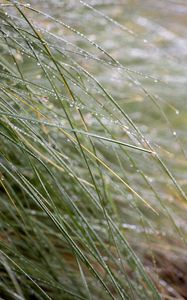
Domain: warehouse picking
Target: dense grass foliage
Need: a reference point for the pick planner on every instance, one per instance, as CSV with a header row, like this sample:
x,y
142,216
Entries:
x,y
93,150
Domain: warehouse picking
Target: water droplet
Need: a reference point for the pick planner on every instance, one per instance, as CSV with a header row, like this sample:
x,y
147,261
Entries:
x,y
136,82
105,258
177,112
174,133
145,41
150,179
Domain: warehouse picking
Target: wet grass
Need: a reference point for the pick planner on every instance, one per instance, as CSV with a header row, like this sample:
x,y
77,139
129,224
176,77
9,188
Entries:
x,y
93,150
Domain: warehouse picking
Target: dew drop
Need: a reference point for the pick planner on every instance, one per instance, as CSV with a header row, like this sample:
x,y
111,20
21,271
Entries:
x,y
105,258
136,82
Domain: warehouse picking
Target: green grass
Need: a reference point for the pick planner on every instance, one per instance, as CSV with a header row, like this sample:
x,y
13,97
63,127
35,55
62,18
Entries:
x,y
93,150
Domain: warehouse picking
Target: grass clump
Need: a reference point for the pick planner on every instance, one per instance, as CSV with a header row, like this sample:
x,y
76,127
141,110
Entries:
x,y
93,188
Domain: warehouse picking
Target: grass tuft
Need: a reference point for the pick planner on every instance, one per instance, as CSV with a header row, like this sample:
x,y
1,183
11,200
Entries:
x,y
93,150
